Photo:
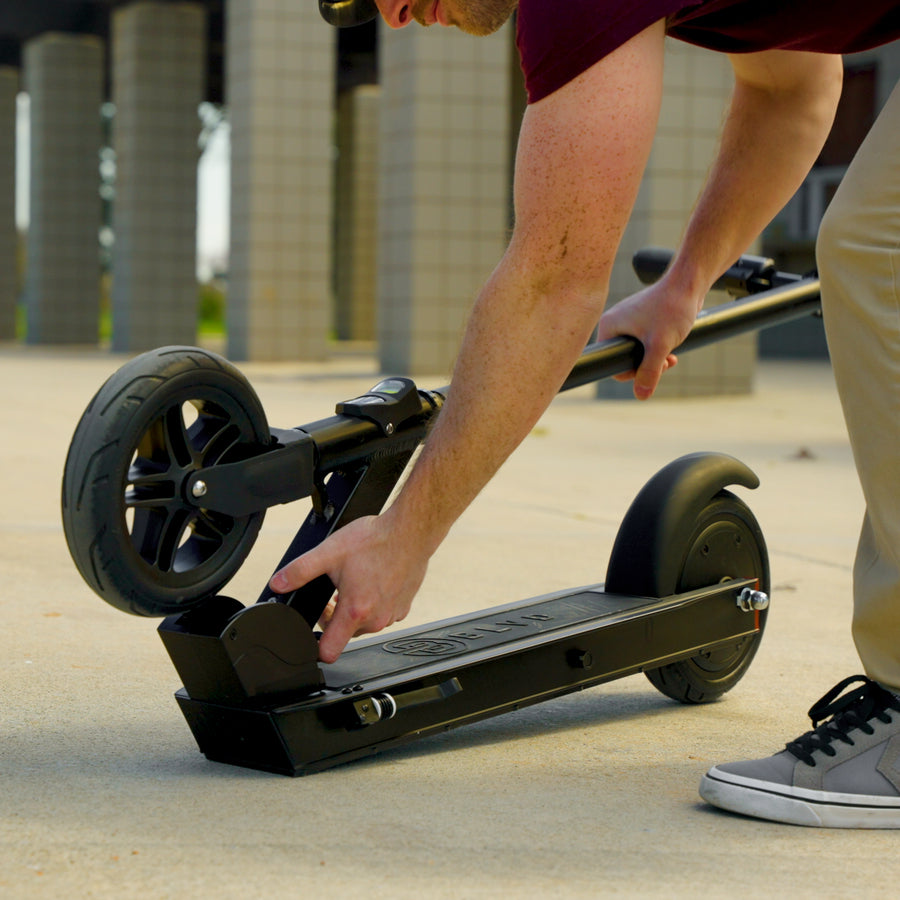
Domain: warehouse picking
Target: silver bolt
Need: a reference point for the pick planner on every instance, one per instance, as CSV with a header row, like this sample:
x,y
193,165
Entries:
x,y
389,428
199,489
751,599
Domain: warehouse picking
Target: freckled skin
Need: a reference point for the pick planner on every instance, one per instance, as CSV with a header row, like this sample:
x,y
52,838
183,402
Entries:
x,y
580,159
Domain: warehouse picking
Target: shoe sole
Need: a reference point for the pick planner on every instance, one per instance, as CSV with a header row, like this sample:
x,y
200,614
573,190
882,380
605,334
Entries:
x,y
798,806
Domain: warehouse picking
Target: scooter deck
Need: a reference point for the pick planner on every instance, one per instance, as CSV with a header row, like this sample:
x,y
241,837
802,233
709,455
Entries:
x,y
389,690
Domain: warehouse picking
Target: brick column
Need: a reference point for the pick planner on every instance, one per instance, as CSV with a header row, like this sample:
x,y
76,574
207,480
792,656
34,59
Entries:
x,y
445,185
9,85
280,86
158,77
64,79
356,229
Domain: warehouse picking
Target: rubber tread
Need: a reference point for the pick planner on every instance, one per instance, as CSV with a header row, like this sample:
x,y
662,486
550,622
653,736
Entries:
x,y
104,441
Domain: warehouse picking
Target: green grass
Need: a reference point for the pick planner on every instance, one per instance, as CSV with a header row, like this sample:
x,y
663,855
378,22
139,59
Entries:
x,y
210,314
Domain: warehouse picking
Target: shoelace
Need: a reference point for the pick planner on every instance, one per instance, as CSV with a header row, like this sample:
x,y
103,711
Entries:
x,y
854,709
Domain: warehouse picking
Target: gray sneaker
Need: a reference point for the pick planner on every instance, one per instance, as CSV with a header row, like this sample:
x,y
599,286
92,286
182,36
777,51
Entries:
x,y
845,773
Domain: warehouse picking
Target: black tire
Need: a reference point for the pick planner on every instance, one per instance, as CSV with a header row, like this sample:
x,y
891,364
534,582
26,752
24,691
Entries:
x,y
724,544
134,537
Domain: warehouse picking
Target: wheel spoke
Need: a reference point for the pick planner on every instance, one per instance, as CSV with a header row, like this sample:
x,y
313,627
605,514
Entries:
x,y
213,526
207,537
163,448
169,535
176,437
158,522
145,531
169,545
212,436
148,485
152,446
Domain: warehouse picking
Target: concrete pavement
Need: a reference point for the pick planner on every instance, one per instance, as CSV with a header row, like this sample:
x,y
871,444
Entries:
x,y
103,791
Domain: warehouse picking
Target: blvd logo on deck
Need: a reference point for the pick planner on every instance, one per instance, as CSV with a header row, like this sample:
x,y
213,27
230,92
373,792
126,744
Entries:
x,y
424,646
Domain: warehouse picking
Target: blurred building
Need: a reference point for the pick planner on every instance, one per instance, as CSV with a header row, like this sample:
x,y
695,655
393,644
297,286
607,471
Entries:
x,y
371,174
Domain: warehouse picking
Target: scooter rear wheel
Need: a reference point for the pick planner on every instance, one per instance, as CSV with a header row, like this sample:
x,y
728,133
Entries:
x,y
725,543
133,534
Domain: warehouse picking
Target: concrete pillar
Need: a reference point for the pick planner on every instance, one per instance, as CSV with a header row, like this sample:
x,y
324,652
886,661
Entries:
x,y
696,92
9,86
356,228
64,78
280,87
445,186
158,54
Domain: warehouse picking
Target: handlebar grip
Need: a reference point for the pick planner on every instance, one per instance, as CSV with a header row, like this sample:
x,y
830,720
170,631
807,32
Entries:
x,y
650,263
749,275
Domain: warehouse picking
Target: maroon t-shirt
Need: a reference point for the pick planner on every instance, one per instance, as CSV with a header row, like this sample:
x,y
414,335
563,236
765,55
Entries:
x,y
560,39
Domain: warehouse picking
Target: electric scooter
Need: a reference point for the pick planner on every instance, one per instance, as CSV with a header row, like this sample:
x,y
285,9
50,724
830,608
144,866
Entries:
x,y
160,509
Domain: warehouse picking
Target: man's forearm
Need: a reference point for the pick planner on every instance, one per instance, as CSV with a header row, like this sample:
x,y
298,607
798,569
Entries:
x,y
520,345
780,115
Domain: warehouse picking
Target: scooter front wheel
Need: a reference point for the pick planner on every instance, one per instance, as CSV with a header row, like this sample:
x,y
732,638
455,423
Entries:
x,y
133,534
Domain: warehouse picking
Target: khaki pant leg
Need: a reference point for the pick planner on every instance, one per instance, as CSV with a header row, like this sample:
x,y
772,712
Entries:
x,y
858,255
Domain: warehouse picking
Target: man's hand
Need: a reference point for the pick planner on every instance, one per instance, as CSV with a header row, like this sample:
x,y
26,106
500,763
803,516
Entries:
x,y
376,576
660,317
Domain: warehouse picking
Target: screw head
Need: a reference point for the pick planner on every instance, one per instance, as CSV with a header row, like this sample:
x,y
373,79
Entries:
x,y
198,489
580,659
750,600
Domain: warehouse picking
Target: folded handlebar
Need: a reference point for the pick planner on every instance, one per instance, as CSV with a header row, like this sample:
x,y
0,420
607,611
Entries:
x,y
768,297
